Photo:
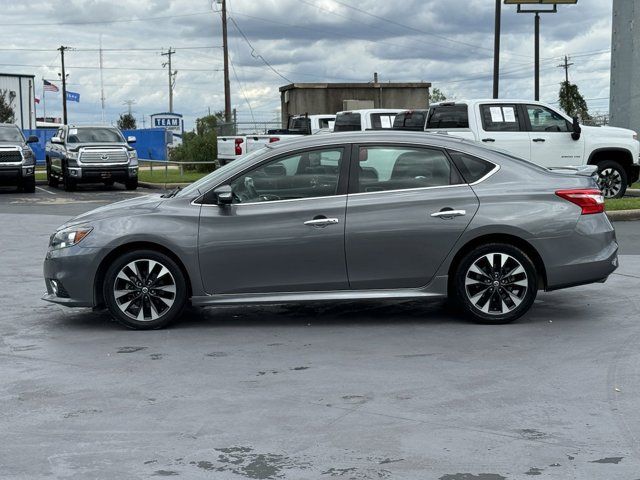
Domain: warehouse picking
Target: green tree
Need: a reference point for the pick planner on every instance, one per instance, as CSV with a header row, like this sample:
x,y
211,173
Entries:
x,y
199,146
436,95
126,122
572,101
7,114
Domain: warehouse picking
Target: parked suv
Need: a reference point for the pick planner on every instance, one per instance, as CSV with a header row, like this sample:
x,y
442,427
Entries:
x,y
17,161
91,155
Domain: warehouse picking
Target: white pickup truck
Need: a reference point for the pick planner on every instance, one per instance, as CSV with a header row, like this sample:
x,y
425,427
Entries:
x,y
542,134
235,146
366,119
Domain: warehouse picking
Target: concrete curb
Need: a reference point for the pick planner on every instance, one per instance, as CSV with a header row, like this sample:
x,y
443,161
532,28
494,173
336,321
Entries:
x,y
632,192
624,215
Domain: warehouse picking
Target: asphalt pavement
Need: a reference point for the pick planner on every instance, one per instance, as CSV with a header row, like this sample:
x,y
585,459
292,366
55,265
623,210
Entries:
x,y
348,390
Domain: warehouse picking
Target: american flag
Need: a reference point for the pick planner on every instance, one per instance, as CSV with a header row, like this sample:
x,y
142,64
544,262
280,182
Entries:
x,y
49,87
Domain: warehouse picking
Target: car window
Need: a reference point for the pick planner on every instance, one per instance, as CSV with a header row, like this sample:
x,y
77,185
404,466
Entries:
x,y
500,118
545,120
306,174
399,168
348,122
448,116
471,168
382,120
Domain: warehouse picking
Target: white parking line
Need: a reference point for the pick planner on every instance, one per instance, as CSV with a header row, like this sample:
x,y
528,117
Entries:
x,y
45,190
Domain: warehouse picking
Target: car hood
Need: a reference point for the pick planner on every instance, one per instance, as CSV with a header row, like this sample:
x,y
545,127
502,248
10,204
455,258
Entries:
x,y
123,208
12,144
606,131
77,146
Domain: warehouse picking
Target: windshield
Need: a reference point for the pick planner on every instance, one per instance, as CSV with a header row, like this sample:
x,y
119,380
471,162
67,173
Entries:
x,y
11,134
201,186
347,122
94,135
410,121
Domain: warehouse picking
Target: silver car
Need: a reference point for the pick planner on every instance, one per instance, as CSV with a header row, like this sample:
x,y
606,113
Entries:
x,y
372,215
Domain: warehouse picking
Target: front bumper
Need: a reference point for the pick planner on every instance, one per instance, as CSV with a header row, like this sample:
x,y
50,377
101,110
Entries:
x,y
73,270
96,174
15,174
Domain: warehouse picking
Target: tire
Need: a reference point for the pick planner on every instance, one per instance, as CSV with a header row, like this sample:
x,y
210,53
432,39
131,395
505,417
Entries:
x,y
131,184
612,179
68,183
52,181
144,308
486,302
29,185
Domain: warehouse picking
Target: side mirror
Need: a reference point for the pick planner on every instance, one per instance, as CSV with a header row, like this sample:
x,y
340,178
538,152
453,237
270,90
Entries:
x,y
33,139
224,194
131,139
56,140
577,130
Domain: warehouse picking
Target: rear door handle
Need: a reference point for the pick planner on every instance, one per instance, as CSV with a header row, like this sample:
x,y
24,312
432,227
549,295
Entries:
x,y
321,222
449,213
539,140
488,140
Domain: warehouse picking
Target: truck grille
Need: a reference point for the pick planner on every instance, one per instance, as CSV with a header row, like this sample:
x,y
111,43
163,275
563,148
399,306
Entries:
x,y
10,156
103,155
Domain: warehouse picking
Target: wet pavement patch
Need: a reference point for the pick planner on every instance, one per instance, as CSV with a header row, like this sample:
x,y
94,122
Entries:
x,y
130,349
471,476
614,460
339,472
534,471
156,356
299,368
531,434
216,354
389,460
165,473
77,413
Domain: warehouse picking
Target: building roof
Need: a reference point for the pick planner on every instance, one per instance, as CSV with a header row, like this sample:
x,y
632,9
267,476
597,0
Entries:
x,y
16,75
293,86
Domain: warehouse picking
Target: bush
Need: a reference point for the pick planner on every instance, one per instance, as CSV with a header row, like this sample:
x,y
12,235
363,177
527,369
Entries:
x,y
197,148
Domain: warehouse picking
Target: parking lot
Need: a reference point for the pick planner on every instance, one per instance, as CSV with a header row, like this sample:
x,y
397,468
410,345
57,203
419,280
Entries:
x,y
350,390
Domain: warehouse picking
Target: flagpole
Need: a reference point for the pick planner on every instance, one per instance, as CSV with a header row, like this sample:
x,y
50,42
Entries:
x,y
44,102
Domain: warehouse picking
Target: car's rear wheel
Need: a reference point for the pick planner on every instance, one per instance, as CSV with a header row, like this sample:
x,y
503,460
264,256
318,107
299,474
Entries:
x,y
496,283
144,290
612,179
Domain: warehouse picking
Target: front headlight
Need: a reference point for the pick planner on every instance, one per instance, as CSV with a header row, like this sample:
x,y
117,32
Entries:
x,y
133,157
28,156
72,155
68,237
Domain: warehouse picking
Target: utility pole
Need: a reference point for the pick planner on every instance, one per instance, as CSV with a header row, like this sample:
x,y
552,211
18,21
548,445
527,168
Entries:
x,y
129,103
64,85
566,66
496,50
172,75
101,83
225,50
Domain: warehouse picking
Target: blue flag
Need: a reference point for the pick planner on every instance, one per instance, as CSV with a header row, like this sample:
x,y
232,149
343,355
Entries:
x,y
73,96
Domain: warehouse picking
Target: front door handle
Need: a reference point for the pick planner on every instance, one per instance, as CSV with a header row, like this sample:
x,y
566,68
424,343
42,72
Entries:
x,y
539,140
321,222
449,213
488,140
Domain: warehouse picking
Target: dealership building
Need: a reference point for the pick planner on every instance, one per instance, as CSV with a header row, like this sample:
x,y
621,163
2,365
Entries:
x,y
20,93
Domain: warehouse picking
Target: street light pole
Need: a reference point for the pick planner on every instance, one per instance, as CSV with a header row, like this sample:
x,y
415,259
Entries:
x,y
537,58
496,50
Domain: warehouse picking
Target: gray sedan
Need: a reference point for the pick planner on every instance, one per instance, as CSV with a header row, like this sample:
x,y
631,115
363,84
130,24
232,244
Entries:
x,y
373,215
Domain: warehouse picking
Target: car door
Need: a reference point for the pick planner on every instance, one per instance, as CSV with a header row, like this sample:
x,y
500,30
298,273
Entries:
x,y
406,208
502,126
551,142
285,230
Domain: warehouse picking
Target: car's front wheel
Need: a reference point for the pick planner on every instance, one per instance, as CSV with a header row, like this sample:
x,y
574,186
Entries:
x,y
496,283
131,184
144,290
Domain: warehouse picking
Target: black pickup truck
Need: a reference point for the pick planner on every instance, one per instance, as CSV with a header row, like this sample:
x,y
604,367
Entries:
x,y
17,161
91,155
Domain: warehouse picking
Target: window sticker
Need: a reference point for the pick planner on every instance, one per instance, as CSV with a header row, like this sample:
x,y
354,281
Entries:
x,y
509,114
385,122
73,131
496,114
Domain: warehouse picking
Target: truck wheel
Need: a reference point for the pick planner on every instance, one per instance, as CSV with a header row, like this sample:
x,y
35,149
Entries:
x,y
29,185
612,179
496,283
52,181
131,184
68,183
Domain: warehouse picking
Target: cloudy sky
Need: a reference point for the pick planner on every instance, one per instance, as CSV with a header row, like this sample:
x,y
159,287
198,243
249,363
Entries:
x,y
449,44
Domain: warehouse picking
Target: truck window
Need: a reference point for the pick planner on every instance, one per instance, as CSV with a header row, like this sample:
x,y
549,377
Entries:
x,y
544,120
448,116
326,122
411,120
300,124
348,122
500,118
382,120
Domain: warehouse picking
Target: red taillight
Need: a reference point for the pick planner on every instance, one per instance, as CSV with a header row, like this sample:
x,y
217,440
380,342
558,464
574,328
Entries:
x,y
239,146
273,139
590,200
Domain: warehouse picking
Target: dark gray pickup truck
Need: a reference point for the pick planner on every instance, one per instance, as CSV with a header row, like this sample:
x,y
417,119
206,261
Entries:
x,y
17,161
91,155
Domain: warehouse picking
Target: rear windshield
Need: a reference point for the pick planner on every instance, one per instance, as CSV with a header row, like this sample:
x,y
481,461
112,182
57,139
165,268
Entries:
x,y
448,116
300,124
94,135
382,120
410,121
11,134
348,122
326,122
